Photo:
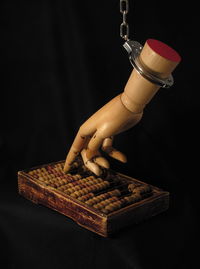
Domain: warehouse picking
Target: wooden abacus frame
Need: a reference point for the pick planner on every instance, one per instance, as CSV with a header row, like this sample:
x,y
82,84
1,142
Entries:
x,y
87,216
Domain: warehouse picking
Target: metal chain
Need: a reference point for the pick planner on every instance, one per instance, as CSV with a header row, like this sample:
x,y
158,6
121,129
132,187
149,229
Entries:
x,y
124,27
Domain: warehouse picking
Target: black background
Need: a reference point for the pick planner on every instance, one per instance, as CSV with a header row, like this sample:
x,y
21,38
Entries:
x,y
61,61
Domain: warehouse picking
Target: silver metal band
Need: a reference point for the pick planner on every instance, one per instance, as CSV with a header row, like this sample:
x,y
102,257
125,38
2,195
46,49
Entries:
x,y
134,49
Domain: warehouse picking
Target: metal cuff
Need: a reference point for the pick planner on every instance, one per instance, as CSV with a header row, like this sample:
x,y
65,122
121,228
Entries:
x,y
134,49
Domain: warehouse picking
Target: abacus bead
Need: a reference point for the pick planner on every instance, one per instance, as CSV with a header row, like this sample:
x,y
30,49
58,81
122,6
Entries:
x,y
70,190
92,188
67,192
123,201
76,194
95,199
97,206
98,199
117,205
137,196
86,196
107,201
73,189
148,188
114,198
115,192
89,202
84,180
105,211
84,191
80,193
127,198
113,206
106,184
133,198
77,177
89,195
86,183
111,200
57,169
60,188
77,188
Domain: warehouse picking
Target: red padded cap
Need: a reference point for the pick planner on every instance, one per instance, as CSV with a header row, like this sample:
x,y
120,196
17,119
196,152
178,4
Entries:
x,y
164,50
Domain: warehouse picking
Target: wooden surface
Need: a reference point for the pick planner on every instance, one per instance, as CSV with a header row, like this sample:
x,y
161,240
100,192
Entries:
x,y
87,216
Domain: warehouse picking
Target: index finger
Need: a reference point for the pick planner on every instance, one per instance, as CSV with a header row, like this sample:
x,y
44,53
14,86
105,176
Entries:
x,y
76,147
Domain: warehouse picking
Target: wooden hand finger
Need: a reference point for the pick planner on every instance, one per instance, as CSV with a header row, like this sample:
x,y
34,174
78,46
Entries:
x,y
118,155
108,142
101,161
90,164
75,149
94,145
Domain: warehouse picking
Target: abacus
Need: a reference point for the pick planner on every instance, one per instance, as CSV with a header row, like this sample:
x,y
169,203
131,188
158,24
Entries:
x,y
103,204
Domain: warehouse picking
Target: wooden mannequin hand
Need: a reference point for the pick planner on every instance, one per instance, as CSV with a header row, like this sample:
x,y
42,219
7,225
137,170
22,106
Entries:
x,y
98,131
125,110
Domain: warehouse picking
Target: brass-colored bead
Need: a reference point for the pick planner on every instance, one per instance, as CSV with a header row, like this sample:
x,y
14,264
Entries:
x,y
70,190
77,188
76,194
77,177
103,203
105,211
99,180
86,196
67,192
70,185
84,191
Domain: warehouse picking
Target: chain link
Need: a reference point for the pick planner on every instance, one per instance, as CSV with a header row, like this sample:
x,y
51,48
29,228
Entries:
x,y
124,27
